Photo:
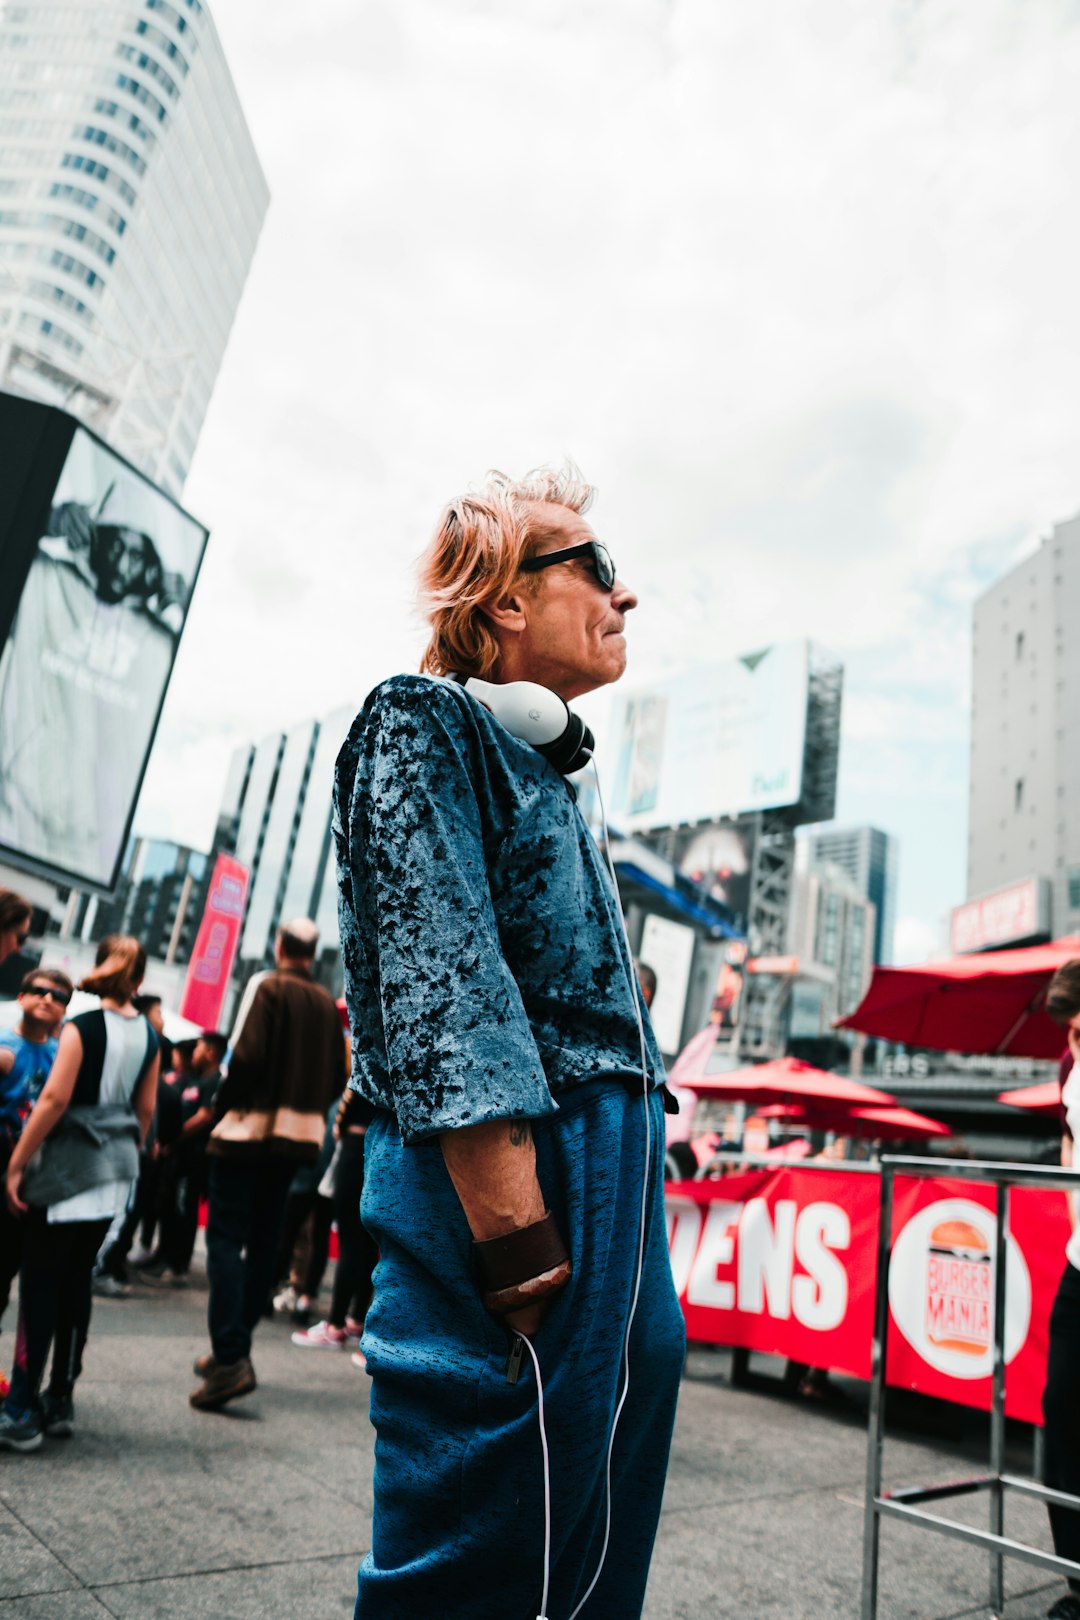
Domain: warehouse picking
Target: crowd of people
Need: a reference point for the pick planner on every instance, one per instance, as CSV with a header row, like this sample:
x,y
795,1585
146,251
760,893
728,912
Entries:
x,y
111,1136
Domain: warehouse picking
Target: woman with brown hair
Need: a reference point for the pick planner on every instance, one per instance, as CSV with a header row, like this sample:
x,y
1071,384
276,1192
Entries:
x,y
93,1112
14,922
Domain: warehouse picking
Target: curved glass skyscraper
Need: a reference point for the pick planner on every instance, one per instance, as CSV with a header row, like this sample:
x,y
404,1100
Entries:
x,y
131,199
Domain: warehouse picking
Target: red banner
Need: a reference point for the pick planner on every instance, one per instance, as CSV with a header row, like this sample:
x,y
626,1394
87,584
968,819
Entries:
x,y
783,1261
216,944
941,1290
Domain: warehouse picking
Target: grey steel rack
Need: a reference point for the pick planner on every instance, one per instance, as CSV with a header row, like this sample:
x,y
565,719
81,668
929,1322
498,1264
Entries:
x,y
908,1504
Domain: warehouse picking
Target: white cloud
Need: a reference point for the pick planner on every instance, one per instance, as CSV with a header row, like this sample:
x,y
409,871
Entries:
x,y
793,284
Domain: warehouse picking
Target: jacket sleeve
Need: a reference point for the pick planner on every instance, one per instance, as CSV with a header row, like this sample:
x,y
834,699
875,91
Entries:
x,y
249,1054
459,1047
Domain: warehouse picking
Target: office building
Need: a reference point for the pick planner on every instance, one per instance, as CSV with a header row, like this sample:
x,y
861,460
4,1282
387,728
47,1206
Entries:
x,y
831,932
870,858
131,200
159,901
1024,810
275,818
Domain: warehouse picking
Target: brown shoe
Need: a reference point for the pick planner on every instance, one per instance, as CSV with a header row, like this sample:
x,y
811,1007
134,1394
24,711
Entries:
x,y
224,1384
204,1364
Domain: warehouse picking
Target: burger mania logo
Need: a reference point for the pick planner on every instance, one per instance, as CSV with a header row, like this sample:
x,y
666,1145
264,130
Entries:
x,y
941,1288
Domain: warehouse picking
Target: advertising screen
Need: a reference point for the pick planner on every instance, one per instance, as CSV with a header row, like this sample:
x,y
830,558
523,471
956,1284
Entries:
x,y
721,740
84,670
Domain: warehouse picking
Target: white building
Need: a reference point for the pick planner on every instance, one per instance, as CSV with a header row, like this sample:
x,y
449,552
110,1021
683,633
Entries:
x,y
831,930
870,858
131,200
1024,815
275,818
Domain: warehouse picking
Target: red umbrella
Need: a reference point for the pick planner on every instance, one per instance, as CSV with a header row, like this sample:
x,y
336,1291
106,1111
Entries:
x,y
990,1002
785,1080
879,1122
1044,1099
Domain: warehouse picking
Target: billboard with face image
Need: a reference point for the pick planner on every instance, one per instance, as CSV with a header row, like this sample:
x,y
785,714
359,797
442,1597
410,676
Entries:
x,y
103,574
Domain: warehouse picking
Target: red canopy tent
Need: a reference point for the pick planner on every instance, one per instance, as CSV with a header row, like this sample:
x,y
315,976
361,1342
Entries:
x,y
785,1080
990,1002
870,1122
1044,1099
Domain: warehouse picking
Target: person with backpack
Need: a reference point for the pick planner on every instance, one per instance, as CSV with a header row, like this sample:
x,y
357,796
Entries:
x,y
93,1112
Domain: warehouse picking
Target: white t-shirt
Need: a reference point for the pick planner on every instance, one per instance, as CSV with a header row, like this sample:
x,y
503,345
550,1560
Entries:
x,y
125,1054
1070,1097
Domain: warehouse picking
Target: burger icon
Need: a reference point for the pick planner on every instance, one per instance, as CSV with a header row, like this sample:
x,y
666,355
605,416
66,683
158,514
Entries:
x,y
959,1288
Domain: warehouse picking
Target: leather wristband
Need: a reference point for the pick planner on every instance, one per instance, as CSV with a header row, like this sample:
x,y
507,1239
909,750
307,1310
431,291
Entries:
x,y
500,1301
517,1257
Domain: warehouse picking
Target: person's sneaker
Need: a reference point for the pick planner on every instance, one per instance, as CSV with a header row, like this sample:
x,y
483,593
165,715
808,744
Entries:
x,y
1066,1608
322,1337
21,1433
107,1287
302,1311
140,1257
58,1415
359,1359
224,1384
204,1365
154,1271
286,1300
354,1329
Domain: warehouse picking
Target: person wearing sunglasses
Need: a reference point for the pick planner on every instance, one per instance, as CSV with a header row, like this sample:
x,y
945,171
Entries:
x,y
26,1056
14,923
516,1089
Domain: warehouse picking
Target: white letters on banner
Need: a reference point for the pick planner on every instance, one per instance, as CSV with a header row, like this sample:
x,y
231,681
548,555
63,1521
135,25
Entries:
x,y
763,1242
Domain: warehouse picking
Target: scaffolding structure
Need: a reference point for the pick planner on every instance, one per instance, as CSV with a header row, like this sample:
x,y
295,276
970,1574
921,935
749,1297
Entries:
x,y
764,1013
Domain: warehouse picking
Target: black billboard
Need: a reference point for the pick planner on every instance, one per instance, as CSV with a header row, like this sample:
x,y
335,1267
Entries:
x,y
97,570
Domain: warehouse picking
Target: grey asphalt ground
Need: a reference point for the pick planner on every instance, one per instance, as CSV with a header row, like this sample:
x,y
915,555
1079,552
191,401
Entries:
x,y
153,1510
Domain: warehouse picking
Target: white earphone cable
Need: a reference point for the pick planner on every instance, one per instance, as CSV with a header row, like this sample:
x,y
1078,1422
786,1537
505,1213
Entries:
x,y
635,990
543,1615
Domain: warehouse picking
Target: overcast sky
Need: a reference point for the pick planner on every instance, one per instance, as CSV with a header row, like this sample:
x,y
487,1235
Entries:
x,y
795,285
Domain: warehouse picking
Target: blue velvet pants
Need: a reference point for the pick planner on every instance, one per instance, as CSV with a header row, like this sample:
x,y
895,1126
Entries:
x,y
458,1523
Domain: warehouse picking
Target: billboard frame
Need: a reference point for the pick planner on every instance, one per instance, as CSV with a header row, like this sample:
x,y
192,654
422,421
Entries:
x,y
50,432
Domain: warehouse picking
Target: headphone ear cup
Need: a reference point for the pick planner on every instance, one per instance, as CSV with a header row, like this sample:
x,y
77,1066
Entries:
x,y
573,750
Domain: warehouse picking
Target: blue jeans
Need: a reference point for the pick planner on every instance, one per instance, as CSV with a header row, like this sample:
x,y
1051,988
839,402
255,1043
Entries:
x,y
243,1229
458,1524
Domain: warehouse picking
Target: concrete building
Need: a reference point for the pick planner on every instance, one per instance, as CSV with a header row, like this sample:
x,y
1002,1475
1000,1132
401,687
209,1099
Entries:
x,y
275,818
1024,807
831,933
131,200
158,900
870,858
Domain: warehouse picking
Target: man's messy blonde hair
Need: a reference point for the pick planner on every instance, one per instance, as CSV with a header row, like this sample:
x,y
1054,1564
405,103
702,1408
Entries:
x,y
477,551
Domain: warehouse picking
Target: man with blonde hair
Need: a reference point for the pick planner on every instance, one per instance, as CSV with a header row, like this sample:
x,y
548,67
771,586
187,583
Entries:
x,y
514,1168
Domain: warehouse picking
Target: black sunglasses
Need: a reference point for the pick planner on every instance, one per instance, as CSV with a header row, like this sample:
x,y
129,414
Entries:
x,y
49,991
597,554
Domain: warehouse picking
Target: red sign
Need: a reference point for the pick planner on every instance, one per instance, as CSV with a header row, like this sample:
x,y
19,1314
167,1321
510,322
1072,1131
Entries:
x,y
784,1262
1017,912
216,944
780,1261
941,1290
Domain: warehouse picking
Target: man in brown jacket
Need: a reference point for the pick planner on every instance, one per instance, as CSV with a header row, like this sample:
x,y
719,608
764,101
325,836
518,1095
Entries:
x,y
287,1067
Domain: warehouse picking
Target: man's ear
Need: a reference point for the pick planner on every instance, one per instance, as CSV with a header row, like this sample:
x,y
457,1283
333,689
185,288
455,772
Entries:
x,y
507,612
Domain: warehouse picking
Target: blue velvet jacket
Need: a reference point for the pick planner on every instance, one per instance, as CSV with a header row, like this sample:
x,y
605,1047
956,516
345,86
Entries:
x,y
486,969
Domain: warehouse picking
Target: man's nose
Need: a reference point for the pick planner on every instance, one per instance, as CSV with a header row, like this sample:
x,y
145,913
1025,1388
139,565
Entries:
x,y
622,597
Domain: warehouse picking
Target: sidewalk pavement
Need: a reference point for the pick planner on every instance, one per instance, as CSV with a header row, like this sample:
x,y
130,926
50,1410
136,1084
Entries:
x,y
153,1510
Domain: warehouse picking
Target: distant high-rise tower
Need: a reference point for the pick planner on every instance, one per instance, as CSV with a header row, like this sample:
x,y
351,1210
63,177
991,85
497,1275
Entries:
x,y
869,857
131,199
1024,817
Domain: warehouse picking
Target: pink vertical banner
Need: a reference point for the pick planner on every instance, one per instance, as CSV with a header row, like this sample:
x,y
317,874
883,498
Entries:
x,y
216,944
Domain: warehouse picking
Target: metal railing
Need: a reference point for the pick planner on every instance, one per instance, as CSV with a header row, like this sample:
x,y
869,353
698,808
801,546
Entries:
x,y
907,1504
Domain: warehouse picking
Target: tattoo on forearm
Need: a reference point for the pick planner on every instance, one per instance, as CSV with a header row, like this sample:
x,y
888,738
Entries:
x,y
520,1133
